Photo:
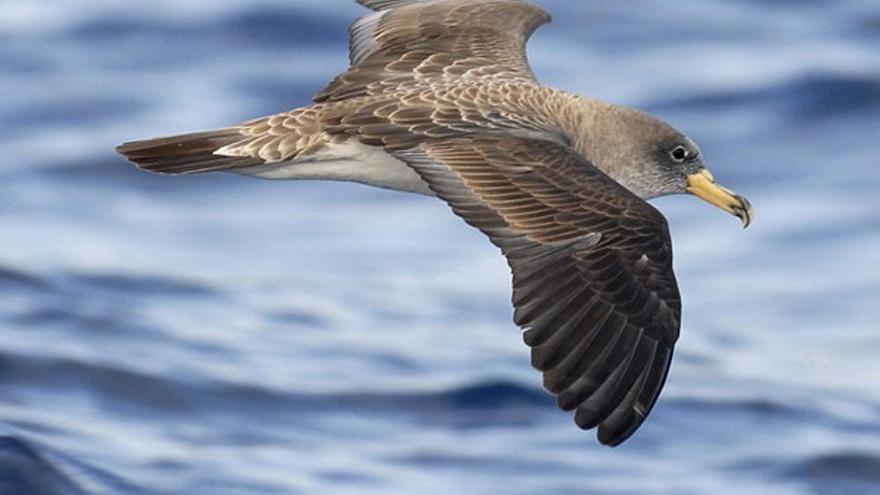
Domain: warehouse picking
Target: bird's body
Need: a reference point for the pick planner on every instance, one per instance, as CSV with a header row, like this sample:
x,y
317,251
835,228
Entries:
x,y
440,100
354,139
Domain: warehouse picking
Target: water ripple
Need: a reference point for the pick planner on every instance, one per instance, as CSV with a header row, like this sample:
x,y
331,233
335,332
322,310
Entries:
x,y
13,280
261,26
840,473
143,285
805,99
177,395
24,471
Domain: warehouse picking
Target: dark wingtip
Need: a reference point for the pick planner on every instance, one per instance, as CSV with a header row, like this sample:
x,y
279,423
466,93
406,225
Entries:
x,y
623,423
614,433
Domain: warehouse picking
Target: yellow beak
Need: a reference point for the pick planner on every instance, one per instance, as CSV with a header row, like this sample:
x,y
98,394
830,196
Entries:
x,y
703,186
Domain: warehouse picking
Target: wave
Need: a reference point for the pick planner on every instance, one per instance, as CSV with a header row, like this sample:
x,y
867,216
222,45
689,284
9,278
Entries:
x,y
806,98
141,284
159,393
14,280
855,466
68,111
24,470
270,27
840,473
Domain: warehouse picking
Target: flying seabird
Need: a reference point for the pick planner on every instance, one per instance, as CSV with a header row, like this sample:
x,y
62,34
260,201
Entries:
x,y
440,100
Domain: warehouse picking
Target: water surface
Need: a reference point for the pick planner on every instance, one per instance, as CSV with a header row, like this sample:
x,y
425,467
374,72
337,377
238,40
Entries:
x,y
220,335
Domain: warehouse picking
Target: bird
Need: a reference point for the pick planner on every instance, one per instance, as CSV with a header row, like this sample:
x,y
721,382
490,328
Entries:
x,y
440,100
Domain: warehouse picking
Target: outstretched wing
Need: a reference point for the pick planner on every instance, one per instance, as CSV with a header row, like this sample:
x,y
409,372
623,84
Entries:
x,y
409,40
592,269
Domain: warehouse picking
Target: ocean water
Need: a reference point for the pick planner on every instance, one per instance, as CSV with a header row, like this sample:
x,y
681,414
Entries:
x,y
220,335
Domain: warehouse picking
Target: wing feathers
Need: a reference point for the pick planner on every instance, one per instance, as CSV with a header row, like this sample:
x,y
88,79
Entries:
x,y
386,4
362,34
592,412
616,424
592,269
409,41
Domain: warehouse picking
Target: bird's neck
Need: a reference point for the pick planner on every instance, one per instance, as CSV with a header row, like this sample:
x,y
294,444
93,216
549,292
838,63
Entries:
x,y
578,119
597,131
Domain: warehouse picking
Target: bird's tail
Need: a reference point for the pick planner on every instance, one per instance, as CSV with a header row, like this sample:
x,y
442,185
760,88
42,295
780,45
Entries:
x,y
186,153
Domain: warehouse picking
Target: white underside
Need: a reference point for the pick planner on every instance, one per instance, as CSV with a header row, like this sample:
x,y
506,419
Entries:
x,y
350,161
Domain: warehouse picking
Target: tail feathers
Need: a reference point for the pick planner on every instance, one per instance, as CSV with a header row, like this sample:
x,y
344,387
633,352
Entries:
x,y
187,153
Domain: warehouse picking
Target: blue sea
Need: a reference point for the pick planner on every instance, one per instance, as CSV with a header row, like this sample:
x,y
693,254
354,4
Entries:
x,y
219,335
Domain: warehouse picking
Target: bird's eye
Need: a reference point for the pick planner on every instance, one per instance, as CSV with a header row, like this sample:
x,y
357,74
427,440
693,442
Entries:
x,y
679,154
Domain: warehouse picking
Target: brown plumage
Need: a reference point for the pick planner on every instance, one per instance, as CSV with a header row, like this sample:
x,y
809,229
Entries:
x,y
440,100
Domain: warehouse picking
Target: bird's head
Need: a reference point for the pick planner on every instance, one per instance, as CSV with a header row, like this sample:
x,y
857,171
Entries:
x,y
653,159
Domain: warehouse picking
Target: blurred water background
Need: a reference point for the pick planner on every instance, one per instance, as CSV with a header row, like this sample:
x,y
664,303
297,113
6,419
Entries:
x,y
221,335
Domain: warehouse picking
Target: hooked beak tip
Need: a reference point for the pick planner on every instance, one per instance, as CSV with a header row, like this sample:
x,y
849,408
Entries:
x,y
745,212
703,186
